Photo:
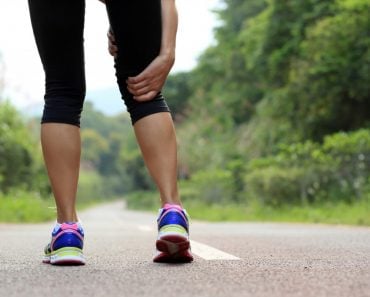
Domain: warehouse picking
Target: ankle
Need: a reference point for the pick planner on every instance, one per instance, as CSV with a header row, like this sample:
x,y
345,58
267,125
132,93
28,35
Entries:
x,y
171,201
63,218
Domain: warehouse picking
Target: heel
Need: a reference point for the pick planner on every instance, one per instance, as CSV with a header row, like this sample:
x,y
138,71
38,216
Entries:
x,y
172,245
173,249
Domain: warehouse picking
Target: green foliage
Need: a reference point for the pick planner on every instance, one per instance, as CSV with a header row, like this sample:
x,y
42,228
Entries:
x,y
91,187
135,174
338,213
335,65
329,213
337,170
21,206
102,124
2,79
143,200
266,122
177,91
205,142
93,147
326,83
20,154
274,186
283,72
213,186
270,41
110,150
270,100
219,81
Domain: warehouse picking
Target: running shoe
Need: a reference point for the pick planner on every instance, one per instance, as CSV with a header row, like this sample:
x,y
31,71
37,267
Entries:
x,y
173,243
66,245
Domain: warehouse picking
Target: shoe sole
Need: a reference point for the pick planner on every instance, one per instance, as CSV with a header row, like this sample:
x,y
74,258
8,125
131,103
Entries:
x,y
66,256
173,249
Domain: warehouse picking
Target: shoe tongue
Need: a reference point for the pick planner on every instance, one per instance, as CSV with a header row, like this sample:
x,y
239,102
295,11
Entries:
x,y
168,206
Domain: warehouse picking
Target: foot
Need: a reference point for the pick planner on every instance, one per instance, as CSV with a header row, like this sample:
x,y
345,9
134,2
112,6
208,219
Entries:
x,y
66,245
173,243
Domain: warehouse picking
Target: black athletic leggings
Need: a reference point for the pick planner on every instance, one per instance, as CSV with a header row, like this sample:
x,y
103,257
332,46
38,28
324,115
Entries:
x,y
58,28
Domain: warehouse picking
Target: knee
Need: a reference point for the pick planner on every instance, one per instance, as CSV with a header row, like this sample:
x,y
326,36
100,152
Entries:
x,y
139,110
64,107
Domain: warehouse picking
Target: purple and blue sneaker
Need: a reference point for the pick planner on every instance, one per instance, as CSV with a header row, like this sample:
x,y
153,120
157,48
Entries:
x,y
173,243
66,245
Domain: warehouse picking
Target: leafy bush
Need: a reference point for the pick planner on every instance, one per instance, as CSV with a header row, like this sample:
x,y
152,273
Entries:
x,y
20,155
211,186
90,187
143,200
351,155
21,206
274,185
337,170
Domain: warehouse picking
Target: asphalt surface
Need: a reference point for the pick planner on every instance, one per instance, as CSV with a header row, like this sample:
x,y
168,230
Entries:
x,y
265,260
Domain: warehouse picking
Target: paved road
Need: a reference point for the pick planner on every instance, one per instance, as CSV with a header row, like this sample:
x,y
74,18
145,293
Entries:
x,y
231,259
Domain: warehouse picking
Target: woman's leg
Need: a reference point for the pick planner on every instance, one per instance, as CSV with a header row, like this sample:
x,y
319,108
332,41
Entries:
x,y
137,29
61,147
157,140
58,29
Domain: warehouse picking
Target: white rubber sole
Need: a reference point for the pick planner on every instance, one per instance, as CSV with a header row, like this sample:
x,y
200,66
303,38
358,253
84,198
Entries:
x,y
66,256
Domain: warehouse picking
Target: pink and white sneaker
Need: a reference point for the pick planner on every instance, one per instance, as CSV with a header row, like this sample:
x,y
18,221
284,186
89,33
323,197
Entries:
x,y
66,245
173,245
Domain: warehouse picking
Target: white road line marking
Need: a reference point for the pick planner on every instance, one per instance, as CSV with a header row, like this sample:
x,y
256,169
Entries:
x,y
209,253
145,228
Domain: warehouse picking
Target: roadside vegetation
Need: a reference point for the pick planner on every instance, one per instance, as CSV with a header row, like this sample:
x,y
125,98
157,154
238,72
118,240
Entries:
x,y
273,124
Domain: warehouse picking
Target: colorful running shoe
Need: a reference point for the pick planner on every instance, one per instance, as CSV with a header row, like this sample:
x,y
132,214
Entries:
x,y
66,245
173,243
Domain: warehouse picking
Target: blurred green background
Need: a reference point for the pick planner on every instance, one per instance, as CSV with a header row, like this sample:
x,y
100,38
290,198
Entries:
x,y
273,125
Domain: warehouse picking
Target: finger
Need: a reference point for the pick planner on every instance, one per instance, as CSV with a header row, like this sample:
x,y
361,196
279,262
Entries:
x,y
142,79
111,36
155,85
138,78
142,91
146,97
139,85
111,39
112,49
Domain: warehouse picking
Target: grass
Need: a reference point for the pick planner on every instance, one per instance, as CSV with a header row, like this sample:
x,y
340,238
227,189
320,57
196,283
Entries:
x,y
354,214
30,208
329,213
25,207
